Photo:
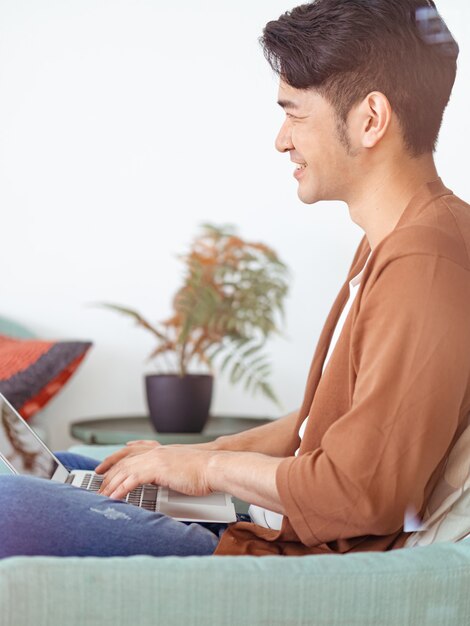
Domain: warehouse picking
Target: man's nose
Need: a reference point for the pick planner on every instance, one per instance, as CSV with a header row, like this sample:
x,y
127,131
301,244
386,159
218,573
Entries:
x,y
284,140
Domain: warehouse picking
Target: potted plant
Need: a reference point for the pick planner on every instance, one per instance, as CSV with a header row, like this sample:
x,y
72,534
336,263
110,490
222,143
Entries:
x,y
232,295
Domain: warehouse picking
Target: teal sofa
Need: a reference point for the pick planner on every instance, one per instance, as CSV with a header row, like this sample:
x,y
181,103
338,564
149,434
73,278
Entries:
x,y
410,587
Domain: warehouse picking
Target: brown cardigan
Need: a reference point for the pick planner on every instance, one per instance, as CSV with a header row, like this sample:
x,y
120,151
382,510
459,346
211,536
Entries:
x,y
388,407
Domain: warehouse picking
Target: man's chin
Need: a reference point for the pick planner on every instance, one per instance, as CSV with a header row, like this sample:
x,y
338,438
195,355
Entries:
x,y
307,197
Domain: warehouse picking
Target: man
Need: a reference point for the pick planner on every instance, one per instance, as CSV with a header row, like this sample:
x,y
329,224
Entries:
x,y
364,84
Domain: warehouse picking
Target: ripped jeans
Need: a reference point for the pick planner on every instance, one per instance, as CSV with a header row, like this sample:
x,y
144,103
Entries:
x,y
43,517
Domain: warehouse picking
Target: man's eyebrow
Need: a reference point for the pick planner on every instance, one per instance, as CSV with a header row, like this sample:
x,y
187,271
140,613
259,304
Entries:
x,y
287,104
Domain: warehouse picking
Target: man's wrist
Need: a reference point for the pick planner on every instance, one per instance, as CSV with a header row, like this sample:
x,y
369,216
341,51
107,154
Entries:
x,y
249,476
215,469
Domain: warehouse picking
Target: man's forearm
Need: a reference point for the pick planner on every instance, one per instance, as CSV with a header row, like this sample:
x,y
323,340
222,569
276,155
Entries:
x,y
271,439
246,475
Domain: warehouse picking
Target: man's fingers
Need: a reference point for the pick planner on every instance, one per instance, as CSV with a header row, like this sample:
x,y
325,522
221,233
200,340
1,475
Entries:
x,y
108,480
123,488
111,484
120,484
111,460
117,474
137,447
114,484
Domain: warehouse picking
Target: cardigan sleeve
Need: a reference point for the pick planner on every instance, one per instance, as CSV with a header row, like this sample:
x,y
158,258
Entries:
x,y
410,348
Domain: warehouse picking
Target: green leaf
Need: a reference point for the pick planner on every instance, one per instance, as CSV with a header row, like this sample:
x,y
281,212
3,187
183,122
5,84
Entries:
x,y
269,393
220,348
252,350
237,372
248,382
264,369
135,315
226,361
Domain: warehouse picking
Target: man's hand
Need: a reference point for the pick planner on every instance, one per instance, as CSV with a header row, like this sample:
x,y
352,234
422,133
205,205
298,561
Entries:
x,y
177,467
132,448
139,446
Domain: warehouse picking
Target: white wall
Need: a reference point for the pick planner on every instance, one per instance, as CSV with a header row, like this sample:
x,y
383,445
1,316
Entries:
x,y
123,125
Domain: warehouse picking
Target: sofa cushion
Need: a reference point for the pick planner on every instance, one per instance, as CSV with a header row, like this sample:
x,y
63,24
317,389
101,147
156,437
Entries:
x,y
447,515
403,587
33,371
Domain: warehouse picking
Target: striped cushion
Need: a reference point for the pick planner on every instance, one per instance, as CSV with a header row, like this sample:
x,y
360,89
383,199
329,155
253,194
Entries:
x,y
33,371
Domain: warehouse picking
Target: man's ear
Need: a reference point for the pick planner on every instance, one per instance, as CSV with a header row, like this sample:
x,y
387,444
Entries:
x,y
373,117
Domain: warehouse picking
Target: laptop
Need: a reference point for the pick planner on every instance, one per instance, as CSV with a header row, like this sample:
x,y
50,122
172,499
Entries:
x,y
23,452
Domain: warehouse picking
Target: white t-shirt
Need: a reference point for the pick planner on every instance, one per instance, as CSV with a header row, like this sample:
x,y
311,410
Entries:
x,y
265,517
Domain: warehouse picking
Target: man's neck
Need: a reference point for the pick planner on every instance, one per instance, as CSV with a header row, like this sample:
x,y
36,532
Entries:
x,y
380,201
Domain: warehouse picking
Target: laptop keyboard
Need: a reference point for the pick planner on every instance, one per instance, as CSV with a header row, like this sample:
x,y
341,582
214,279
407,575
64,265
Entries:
x,y
144,496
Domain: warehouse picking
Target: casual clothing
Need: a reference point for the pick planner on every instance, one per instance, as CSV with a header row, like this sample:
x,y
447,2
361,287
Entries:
x,y
265,517
389,407
43,517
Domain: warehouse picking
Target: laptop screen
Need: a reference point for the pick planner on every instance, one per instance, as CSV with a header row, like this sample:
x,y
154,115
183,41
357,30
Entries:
x,y
21,448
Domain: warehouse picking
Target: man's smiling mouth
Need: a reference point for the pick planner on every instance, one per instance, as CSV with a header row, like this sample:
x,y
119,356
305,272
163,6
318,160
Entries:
x,y
299,170
300,165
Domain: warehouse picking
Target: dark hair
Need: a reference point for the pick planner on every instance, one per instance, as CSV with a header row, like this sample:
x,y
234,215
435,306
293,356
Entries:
x,y
346,49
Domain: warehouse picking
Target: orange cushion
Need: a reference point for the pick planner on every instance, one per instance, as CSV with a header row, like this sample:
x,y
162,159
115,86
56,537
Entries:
x,y
33,371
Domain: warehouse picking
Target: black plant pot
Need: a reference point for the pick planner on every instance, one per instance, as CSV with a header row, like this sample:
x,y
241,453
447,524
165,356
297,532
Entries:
x,y
179,404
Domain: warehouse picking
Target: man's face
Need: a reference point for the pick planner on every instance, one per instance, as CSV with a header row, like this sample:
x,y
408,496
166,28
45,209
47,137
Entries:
x,y
310,133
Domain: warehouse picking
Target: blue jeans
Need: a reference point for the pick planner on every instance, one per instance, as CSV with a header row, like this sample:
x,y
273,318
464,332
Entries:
x,y
43,517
